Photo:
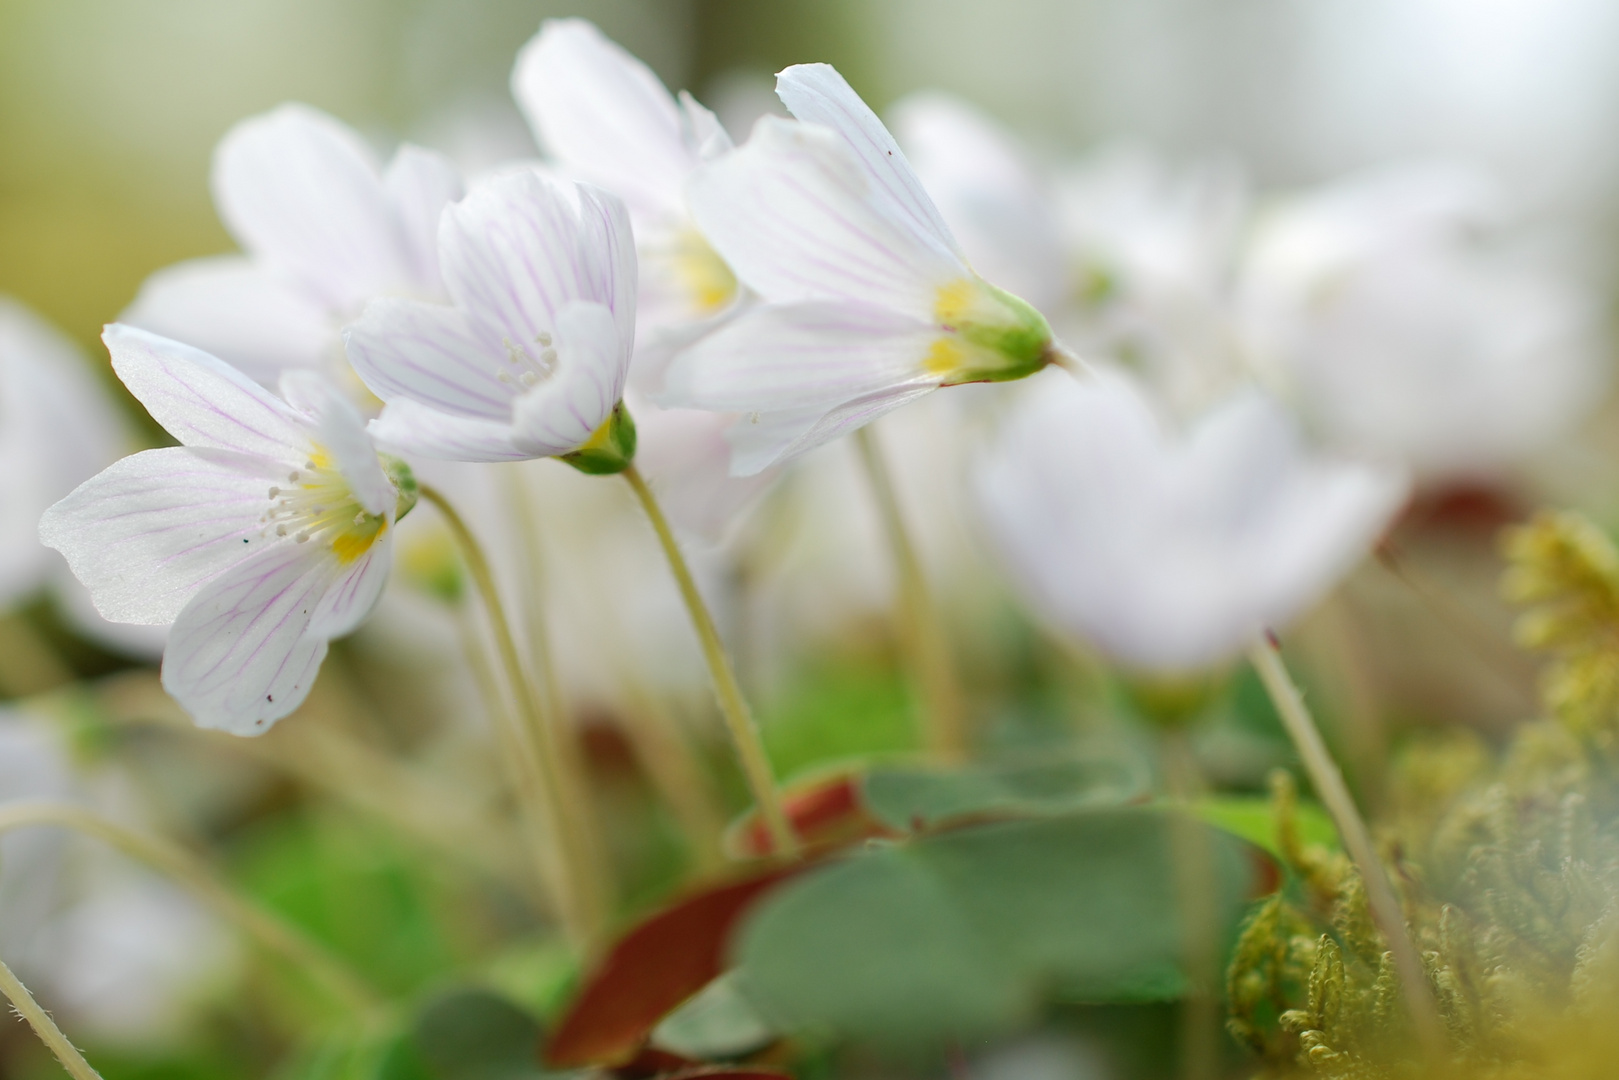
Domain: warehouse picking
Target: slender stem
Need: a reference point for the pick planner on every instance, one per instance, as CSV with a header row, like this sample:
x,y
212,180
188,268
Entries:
x,y
580,917
174,861
44,1026
921,630
565,749
738,720
1380,896
1195,882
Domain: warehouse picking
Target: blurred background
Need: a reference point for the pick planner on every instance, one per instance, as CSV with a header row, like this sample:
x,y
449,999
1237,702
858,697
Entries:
x,y
109,109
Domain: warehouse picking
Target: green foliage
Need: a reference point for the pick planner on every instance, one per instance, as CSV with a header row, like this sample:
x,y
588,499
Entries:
x,y
840,710
967,932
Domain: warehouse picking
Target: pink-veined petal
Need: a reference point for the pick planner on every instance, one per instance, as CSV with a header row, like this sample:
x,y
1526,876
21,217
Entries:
x,y
351,597
302,192
236,310
240,655
413,428
563,411
147,532
777,438
603,115
686,458
521,246
817,94
432,354
201,400
799,356
420,184
797,217
339,430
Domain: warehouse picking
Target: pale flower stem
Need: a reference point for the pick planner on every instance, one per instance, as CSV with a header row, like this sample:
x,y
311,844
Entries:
x,y
565,748
175,862
1380,896
580,919
44,1026
738,720
927,653
666,757
1196,887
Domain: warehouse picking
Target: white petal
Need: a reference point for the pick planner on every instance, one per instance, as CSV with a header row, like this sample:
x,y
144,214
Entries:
x,y
817,94
237,310
432,354
420,184
203,401
800,356
685,456
301,192
603,115
413,428
777,438
798,218
564,410
146,533
355,592
996,203
340,431
521,246
707,134
240,656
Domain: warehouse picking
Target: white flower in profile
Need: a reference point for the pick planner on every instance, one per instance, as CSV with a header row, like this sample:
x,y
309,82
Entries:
x,y
266,533
605,118
531,357
1167,552
323,228
870,303
1389,308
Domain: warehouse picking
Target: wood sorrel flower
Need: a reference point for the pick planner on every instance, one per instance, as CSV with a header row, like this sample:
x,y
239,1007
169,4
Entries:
x,y
870,303
266,533
530,360
1170,553
323,228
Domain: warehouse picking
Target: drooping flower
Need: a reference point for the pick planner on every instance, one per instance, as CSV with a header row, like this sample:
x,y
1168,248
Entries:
x,y
266,533
1389,308
1169,553
869,302
531,357
323,229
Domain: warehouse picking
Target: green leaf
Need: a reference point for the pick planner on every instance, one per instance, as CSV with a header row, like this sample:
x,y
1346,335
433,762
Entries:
x,y
1250,817
476,1035
963,933
718,1022
917,798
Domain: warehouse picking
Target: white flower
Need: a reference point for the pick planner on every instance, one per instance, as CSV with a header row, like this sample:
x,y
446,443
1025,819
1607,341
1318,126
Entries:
x,y
266,533
323,229
1386,308
1169,553
604,117
870,303
531,359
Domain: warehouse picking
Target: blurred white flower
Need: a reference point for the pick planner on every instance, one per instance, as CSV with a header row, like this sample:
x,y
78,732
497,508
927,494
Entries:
x,y
531,359
323,229
265,534
604,117
1384,306
1169,553
870,303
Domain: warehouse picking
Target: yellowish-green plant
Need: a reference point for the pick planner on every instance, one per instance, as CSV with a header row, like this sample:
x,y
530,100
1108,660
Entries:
x,y
1508,873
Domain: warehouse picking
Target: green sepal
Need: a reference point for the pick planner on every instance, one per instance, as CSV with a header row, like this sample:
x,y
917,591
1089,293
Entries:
x,y
404,482
610,448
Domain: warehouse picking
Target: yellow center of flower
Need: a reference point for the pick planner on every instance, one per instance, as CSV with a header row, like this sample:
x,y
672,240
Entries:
x,y
706,277
316,503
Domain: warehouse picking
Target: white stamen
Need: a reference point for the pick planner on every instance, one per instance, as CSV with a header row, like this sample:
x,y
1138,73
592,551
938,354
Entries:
x,y
543,337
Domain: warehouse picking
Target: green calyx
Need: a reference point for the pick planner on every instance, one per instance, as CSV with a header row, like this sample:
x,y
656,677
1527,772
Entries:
x,y
404,482
996,336
610,448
